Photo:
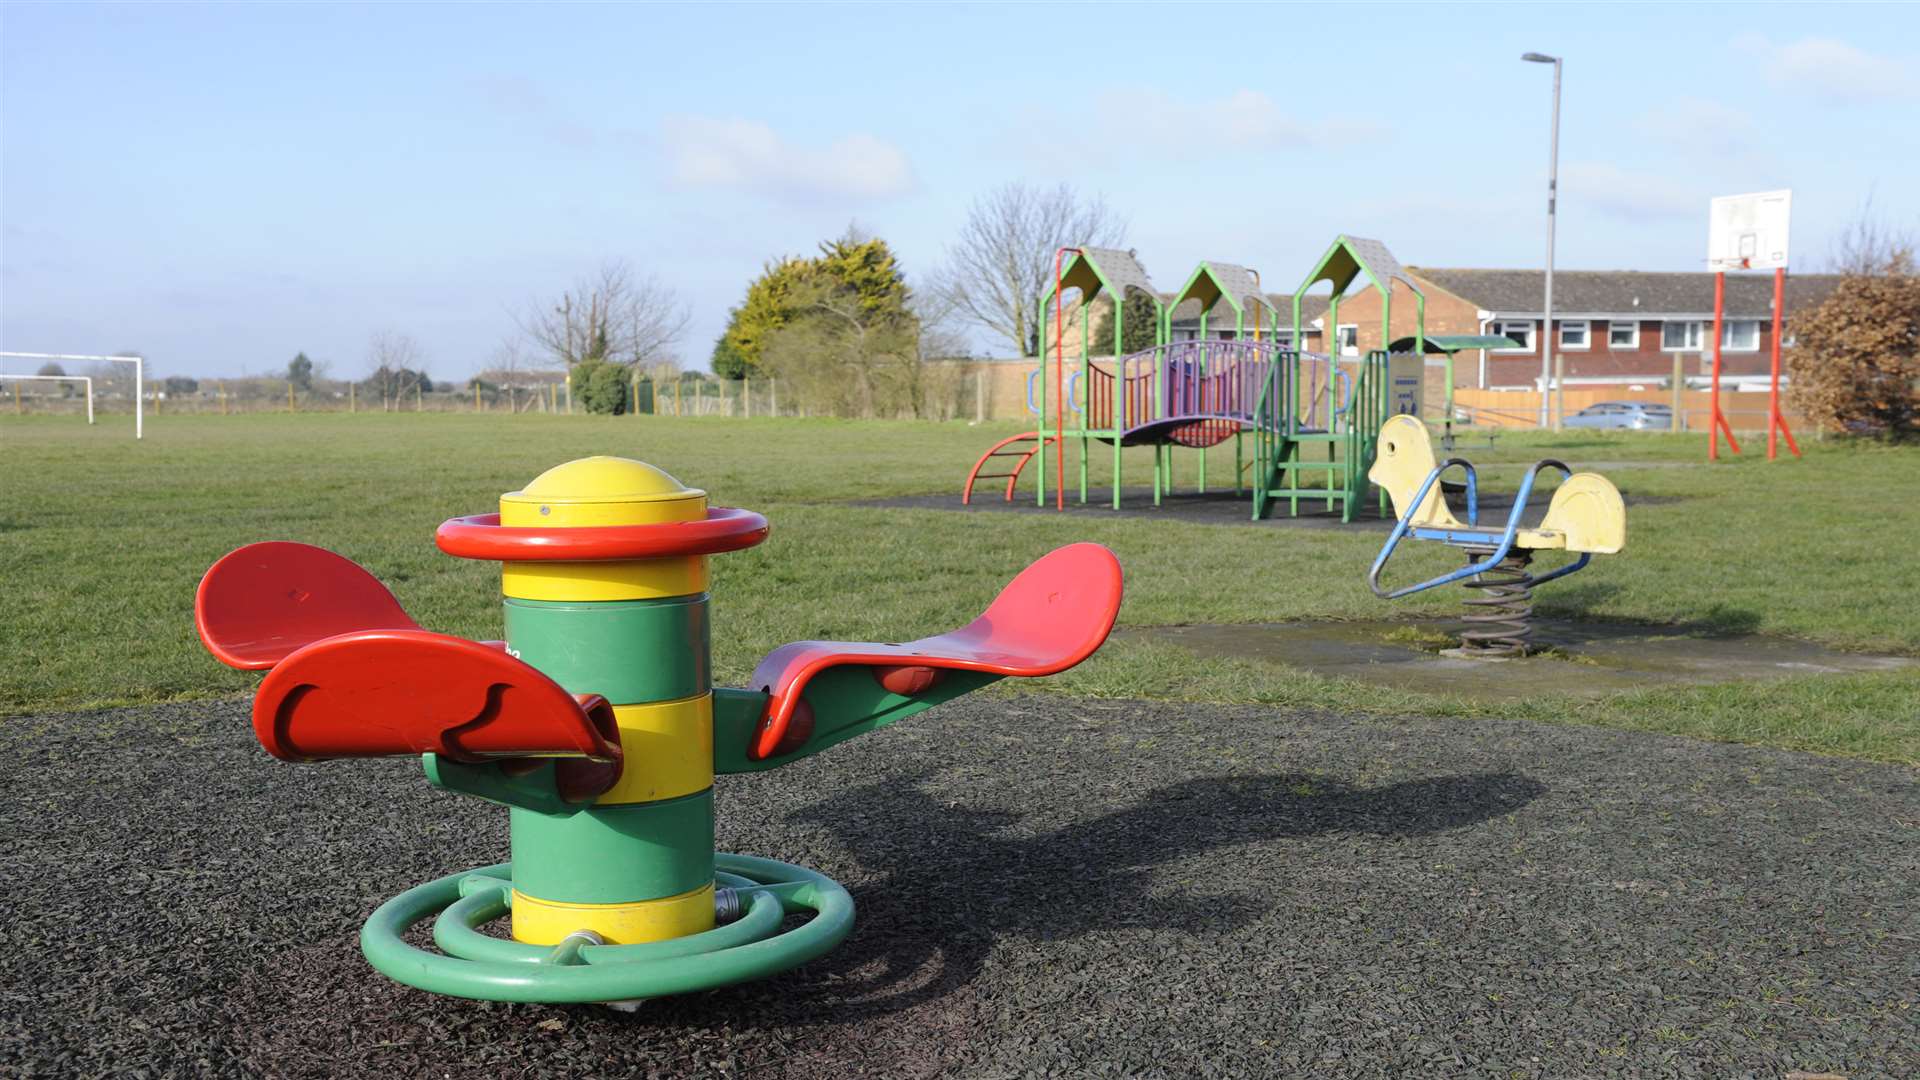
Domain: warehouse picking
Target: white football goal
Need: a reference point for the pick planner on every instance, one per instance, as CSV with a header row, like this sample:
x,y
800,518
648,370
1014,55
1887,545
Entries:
x,y
139,380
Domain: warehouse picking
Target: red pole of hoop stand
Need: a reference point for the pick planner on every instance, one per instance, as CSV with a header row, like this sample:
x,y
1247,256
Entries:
x,y
1718,421
1776,420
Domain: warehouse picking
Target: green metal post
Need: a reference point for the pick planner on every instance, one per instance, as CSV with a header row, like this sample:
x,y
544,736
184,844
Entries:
x,y
1040,455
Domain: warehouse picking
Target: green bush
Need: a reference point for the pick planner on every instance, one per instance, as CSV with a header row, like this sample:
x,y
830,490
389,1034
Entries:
x,y
601,386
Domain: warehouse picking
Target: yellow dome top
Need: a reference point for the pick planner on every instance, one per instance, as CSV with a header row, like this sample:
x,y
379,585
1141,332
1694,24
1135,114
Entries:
x,y
602,490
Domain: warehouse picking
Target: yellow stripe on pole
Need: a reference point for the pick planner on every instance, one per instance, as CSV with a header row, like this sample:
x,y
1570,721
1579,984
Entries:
x,y
548,922
668,748
641,579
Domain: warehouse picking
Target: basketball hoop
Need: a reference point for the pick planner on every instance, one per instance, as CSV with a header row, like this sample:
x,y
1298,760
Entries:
x,y
1748,232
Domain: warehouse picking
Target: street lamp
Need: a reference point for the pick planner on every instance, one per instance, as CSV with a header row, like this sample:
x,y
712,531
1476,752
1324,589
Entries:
x,y
1553,193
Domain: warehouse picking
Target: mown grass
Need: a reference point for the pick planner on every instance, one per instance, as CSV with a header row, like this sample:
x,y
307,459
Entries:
x,y
102,541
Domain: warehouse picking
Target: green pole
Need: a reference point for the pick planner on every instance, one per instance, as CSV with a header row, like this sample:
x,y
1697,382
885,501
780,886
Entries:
x,y
1040,492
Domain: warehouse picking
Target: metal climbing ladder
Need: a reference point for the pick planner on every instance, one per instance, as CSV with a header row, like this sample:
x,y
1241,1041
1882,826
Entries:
x,y
1020,448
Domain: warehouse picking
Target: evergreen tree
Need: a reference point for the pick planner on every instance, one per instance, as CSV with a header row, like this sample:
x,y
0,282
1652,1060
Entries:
x,y
1139,328
856,266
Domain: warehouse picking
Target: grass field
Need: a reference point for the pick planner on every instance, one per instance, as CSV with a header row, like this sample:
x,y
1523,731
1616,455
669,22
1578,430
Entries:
x,y
102,541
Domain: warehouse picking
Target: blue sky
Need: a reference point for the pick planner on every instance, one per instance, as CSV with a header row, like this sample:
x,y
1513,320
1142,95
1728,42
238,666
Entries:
x,y
220,186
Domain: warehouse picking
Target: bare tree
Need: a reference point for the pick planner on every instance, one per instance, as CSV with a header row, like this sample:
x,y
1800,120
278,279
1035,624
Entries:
x,y
842,359
1002,263
610,315
394,357
1870,246
943,367
507,360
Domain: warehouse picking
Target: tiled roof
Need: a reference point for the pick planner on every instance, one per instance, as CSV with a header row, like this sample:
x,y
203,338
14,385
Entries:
x,y
1624,292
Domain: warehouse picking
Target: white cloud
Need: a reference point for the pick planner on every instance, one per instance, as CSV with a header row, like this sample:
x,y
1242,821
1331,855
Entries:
x,y
734,152
1700,125
1122,120
1623,193
1829,69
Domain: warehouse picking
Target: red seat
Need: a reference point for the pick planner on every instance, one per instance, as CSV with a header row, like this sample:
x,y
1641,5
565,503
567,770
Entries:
x,y
375,693
261,602
1049,618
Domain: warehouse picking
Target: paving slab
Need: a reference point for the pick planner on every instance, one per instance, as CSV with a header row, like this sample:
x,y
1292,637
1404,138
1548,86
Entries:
x,y
1574,656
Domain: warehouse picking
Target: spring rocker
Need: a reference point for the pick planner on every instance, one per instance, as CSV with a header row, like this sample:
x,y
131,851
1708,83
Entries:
x,y
596,724
1585,517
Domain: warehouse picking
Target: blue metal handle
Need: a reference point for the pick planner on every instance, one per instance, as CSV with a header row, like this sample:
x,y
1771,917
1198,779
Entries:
x,y
1031,407
1073,392
1478,539
1343,375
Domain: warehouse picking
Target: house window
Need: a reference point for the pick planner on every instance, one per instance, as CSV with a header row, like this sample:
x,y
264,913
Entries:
x,y
1349,339
1574,334
1623,334
1740,335
1520,331
1681,336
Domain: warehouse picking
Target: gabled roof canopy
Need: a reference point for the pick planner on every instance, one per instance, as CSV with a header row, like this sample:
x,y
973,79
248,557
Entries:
x,y
1213,282
1092,269
1351,257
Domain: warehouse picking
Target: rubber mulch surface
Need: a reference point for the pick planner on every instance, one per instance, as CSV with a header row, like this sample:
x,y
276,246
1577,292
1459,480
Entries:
x,y
1046,887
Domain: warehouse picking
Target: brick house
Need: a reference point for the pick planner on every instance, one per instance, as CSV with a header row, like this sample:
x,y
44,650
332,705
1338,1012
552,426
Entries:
x,y
1614,327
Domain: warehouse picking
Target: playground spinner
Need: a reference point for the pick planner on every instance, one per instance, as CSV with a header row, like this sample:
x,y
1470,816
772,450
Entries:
x,y
596,724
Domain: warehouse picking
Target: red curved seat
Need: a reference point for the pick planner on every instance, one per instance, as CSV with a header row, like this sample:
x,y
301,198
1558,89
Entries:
x,y
376,693
261,602
1053,615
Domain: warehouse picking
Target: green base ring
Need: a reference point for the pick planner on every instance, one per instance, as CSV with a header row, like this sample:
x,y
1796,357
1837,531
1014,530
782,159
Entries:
x,y
491,969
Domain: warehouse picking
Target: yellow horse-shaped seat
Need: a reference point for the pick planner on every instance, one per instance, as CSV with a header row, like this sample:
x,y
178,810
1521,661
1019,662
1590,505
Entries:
x,y
1585,516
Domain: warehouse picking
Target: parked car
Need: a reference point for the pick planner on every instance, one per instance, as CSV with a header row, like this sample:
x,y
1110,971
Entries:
x,y
1623,415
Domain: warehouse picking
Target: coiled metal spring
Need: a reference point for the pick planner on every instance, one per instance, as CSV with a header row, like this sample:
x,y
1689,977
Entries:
x,y
1499,616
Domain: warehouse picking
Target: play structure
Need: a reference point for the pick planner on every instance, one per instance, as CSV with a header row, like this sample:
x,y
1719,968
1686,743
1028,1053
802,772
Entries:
x,y
1586,517
595,723
1312,417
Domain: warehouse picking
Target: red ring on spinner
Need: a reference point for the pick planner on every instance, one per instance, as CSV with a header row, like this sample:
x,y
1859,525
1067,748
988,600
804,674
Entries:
x,y
481,536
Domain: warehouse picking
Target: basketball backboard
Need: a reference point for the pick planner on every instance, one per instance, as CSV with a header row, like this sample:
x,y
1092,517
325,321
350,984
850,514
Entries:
x,y
1748,232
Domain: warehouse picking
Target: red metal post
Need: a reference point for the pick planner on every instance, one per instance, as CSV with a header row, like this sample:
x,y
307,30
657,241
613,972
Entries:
x,y
1713,391
1717,423
1776,420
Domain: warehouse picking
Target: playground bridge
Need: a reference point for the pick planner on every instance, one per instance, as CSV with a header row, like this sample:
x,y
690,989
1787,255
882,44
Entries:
x,y
1201,393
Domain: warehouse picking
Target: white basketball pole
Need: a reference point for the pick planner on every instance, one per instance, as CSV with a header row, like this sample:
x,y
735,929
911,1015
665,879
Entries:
x,y
139,381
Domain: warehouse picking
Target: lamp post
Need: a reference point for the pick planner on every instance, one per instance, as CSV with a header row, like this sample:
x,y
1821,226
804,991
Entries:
x,y
1553,194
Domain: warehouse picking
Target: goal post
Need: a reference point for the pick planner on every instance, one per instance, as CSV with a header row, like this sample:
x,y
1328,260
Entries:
x,y
139,380
86,381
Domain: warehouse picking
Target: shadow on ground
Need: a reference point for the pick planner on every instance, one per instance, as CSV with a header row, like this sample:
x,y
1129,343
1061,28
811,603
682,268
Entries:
x,y
1101,875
